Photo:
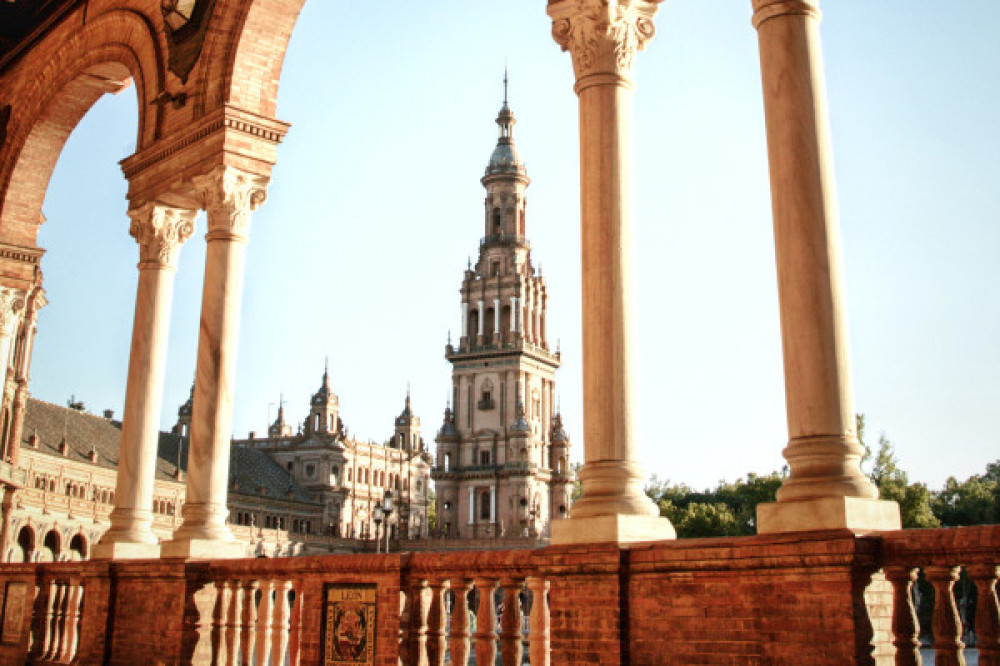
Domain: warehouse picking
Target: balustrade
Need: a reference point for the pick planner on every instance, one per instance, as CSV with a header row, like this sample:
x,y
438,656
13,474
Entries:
x,y
432,609
61,625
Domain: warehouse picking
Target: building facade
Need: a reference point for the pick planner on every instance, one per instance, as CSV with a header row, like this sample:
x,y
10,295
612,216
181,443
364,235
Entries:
x,y
350,477
502,458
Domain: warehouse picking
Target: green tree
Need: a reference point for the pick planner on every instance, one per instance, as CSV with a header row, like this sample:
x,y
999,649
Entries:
x,y
893,484
707,520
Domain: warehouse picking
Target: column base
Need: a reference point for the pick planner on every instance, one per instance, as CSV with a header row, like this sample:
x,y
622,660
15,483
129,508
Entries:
x,y
621,528
125,550
203,549
857,514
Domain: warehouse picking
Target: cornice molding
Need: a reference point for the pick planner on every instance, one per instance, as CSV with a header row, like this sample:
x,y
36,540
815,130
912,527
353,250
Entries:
x,y
227,119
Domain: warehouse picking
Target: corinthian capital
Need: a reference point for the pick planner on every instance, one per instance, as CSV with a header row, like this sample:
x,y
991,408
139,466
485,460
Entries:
x,y
229,196
602,36
160,230
11,310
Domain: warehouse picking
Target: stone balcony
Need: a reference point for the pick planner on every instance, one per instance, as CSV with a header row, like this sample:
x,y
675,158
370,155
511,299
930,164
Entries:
x,y
800,598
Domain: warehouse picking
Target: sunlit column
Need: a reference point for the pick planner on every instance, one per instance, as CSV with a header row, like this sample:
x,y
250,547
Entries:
x,y
481,321
825,488
160,231
465,321
603,37
229,197
513,314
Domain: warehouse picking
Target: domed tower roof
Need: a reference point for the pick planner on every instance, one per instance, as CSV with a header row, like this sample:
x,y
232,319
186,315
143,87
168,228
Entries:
x,y
505,160
558,433
448,431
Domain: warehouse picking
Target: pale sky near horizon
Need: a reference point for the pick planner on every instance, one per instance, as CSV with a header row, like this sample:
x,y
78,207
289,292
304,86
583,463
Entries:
x,y
375,206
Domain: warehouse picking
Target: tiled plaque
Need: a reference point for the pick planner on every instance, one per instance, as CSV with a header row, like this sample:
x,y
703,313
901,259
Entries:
x,y
15,597
349,623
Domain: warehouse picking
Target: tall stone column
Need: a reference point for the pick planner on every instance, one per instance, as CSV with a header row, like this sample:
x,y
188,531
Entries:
x,y
825,488
160,231
229,197
603,37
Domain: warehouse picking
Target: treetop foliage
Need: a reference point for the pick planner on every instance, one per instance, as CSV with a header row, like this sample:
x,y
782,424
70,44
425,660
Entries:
x,y
730,509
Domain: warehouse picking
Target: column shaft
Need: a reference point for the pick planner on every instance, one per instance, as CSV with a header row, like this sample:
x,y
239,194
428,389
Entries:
x,y
159,231
603,37
230,196
823,451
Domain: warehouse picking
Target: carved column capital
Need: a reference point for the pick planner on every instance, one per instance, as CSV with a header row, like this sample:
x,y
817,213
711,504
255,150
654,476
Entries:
x,y
603,36
229,196
11,310
160,231
768,9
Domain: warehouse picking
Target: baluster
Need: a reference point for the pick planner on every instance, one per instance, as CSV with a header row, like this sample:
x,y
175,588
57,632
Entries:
x,y
947,625
539,618
405,606
264,619
220,613
71,621
511,648
987,613
295,625
419,606
50,614
437,640
234,626
460,623
58,616
282,613
905,632
249,628
486,622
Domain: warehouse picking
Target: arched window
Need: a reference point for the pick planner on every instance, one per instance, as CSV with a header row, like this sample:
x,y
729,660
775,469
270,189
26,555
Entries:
x,y
497,221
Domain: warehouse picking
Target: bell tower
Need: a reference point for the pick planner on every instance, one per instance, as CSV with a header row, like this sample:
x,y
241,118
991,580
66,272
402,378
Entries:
x,y
494,474
323,408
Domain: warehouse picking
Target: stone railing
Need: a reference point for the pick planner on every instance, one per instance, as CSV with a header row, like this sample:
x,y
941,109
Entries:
x,y
941,556
804,598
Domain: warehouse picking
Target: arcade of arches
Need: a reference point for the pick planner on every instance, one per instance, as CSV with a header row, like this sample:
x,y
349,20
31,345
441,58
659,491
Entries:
x,y
206,74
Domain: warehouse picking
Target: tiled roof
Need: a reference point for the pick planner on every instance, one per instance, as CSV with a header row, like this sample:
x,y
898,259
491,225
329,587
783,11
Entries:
x,y
252,470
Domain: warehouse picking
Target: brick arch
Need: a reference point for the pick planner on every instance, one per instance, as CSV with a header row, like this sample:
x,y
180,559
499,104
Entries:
x,y
243,54
55,87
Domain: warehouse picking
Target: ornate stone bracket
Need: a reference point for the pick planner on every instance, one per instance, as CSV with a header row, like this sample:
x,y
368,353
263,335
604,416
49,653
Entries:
x,y
229,197
603,36
160,231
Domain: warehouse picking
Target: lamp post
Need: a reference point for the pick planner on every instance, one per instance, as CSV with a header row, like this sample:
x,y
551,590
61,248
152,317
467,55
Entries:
x,y
387,507
377,517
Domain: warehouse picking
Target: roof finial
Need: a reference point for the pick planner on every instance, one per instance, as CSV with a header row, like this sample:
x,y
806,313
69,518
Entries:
x,y
505,84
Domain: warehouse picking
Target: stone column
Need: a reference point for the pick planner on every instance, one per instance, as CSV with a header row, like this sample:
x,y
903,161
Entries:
x,y
35,302
11,311
603,37
825,488
159,230
513,314
229,197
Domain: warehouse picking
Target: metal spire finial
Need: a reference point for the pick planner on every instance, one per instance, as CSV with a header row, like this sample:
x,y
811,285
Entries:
x,y
505,84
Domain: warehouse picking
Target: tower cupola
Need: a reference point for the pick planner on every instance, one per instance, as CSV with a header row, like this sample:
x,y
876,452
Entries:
x,y
323,408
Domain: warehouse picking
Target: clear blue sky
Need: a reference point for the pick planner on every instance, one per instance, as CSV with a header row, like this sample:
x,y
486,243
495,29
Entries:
x,y
375,205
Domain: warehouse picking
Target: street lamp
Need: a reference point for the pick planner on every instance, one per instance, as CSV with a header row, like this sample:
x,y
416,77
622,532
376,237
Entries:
x,y
387,507
377,517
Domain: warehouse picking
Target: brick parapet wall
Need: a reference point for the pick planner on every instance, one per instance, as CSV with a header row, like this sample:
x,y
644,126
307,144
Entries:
x,y
784,599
